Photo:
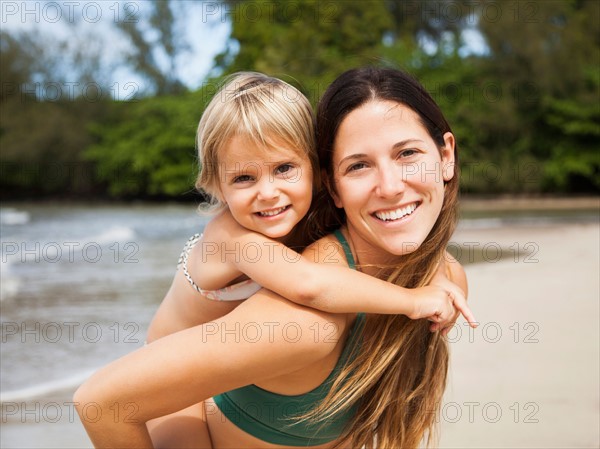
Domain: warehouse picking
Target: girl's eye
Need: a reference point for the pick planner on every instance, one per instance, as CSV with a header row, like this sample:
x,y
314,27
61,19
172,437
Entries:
x,y
242,178
283,168
287,171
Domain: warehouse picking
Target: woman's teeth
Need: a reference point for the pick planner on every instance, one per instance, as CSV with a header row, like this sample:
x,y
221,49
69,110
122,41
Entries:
x,y
396,214
270,213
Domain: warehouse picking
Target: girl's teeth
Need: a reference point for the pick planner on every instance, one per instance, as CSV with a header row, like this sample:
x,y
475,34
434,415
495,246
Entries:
x,y
396,214
270,213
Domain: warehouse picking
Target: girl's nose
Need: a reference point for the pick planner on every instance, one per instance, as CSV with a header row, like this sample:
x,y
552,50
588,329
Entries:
x,y
267,190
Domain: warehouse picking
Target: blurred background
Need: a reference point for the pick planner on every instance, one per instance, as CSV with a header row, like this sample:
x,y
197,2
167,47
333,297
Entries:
x,y
101,100
99,105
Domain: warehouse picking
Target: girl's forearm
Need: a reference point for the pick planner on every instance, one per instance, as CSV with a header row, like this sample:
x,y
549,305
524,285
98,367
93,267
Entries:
x,y
342,290
329,286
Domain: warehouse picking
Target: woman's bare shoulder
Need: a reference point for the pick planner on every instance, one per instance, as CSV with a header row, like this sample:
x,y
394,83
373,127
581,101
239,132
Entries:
x,y
456,272
326,250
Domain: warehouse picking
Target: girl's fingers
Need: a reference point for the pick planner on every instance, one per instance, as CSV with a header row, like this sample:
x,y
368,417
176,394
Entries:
x,y
460,303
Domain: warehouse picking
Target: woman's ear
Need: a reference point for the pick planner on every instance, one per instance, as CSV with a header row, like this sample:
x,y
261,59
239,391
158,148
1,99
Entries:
x,y
448,159
328,183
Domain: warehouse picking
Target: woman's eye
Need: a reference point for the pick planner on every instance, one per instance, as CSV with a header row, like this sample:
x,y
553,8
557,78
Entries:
x,y
242,178
408,152
356,166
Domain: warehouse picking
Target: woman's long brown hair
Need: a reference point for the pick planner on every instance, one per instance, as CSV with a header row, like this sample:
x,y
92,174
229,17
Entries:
x,y
398,376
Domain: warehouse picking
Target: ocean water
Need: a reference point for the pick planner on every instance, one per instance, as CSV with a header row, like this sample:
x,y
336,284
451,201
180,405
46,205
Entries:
x,y
80,284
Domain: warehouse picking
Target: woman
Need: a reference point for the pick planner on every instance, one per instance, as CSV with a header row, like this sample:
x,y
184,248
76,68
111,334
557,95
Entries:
x,y
391,165
394,197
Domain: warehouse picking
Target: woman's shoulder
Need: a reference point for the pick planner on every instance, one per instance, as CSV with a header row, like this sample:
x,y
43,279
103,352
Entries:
x,y
327,250
456,272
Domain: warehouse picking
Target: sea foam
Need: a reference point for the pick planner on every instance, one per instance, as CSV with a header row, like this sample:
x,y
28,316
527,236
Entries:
x,y
12,217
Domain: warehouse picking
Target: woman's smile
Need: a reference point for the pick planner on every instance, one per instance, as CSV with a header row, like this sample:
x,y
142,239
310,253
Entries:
x,y
396,214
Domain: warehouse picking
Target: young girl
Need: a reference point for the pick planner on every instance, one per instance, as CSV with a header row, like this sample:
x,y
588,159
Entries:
x,y
259,167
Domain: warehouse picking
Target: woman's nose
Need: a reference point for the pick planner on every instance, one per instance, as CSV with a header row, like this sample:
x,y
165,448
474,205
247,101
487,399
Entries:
x,y
390,183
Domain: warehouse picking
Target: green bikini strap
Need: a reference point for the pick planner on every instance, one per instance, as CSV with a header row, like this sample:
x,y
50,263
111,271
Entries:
x,y
349,257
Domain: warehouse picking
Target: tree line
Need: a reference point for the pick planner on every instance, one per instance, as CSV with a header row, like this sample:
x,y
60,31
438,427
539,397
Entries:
x,y
519,82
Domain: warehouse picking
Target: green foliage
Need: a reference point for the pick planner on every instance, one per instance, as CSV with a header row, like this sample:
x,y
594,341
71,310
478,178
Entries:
x,y
518,110
311,42
147,147
546,56
41,147
574,163
43,129
525,111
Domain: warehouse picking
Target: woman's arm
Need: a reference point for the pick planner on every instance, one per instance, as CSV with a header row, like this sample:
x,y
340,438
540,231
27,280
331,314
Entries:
x,y
197,363
330,287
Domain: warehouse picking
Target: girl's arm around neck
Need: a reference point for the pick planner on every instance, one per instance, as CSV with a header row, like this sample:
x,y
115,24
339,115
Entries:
x,y
320,278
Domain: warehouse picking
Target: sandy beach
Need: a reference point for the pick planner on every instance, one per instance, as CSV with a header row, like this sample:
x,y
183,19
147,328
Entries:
x,y
528,377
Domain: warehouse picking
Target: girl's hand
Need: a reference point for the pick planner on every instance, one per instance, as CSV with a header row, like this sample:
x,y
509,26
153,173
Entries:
x,y
442,303
457,296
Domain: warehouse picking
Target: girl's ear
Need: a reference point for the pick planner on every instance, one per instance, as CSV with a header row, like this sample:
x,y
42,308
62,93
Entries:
x,y
329,185
218,193
448,160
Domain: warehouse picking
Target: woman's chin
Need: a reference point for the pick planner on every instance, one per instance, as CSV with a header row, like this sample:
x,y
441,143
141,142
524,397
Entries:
x,y
401,246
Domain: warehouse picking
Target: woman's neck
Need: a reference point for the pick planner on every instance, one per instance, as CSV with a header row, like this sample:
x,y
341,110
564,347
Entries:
x,y
369,259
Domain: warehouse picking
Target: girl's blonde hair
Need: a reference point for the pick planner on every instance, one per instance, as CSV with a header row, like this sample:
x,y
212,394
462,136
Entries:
x,y
398,375
266,110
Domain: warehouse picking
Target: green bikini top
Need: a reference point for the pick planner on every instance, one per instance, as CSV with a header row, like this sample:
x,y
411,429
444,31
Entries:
x,y
271,416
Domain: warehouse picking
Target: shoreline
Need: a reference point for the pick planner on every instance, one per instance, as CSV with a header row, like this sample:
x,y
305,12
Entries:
x,y
533,203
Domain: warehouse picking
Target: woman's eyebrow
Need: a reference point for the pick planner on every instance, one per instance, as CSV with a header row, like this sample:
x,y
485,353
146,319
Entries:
x,y
405,142
352,156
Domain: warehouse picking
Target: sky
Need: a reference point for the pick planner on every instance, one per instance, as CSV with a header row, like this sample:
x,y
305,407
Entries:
x,y
205,26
